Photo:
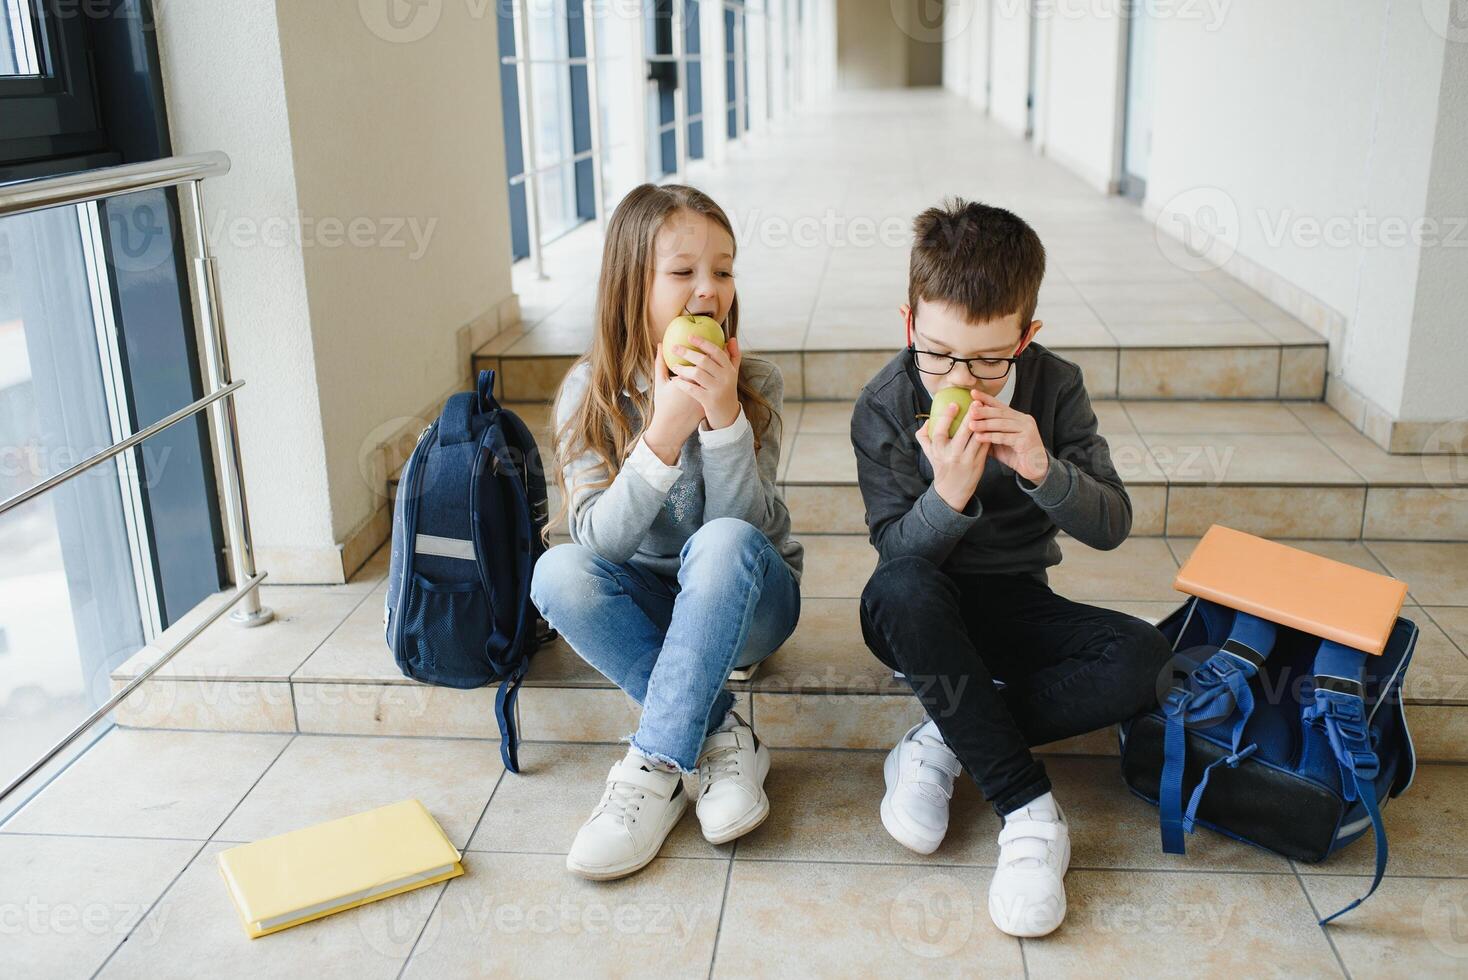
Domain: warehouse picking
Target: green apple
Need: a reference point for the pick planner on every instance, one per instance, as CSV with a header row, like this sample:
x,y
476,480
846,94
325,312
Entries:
x,y
681,329
941,401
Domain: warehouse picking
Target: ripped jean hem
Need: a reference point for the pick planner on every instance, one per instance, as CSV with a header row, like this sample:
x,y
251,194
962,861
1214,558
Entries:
x,y
666,760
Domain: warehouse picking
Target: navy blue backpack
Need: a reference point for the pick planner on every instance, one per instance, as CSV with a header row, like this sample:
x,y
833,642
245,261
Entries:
x,y
466,534
1273,736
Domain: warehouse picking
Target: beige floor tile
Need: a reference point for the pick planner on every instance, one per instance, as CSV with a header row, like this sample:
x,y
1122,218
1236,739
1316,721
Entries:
x,y
1125,923
1436,573
1098,368
304,617
411,708
1411,927
824,806
1259,418
1230,372
817,509
356,650
1134,462
195,928
541,809
70,901
836,565
1149,509
583,714
1453,621
1302,371
321,777
821,458
209,705
1191,292
841,374
1217,458
1423,826
861,920
1112,419
1111,828
1276,512
1141,568
826,654
1439,732
525,915
842,721
829,418
1417,513
1141,326
557,665
151,784
1439,671
530,378
1073,326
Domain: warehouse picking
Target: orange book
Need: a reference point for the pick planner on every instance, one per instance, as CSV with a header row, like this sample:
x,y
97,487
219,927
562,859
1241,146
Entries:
x,y
1295,588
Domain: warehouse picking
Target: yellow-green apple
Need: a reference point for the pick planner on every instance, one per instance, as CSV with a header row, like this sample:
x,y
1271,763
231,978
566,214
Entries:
x,y
941,401
682,328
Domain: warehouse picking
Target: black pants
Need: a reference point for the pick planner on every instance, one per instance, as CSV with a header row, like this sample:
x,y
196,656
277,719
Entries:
x,y
1067,668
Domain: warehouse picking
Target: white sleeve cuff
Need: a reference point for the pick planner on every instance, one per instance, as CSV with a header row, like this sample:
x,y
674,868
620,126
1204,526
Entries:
x,y
728,434
645,463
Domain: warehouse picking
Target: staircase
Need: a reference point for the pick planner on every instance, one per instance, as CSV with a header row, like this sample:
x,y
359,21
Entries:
x,y
1209,396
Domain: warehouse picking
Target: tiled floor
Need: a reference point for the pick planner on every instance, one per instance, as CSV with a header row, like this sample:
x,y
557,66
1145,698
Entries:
x,y
111,870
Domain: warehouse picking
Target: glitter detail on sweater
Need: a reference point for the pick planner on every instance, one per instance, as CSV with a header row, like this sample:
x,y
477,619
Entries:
x,y
682,501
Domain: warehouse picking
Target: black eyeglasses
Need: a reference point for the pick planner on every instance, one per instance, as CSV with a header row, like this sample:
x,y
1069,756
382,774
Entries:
x,y
980,368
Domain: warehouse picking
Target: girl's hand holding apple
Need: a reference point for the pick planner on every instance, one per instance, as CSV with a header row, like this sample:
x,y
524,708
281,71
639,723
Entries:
x,y
711,377
675,413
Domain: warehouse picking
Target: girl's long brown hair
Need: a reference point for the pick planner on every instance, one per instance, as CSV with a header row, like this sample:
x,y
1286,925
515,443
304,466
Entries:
x,y
622,346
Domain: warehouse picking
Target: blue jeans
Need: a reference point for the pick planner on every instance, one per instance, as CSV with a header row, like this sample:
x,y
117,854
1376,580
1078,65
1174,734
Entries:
x,y
671,643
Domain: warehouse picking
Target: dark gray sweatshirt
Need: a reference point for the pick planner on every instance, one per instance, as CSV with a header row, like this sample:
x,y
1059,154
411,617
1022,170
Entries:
x,y
1009,525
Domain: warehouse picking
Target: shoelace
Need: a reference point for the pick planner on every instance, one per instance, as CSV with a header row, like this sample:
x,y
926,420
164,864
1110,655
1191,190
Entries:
x,y
719,762
621,801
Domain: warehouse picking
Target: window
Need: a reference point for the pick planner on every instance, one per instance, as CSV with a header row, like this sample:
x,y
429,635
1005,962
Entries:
x,y
96,342
553,72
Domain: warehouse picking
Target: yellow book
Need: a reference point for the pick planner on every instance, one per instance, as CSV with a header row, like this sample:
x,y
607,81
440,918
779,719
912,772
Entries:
x,y
283,881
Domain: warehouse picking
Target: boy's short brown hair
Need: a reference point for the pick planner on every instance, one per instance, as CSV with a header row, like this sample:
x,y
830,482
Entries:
x,y
984,260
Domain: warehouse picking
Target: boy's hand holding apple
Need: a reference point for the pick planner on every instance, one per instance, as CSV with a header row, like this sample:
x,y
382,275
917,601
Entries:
x,y
958,461
1013,435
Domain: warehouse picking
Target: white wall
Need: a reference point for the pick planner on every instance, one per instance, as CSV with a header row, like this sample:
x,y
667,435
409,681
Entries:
x,y
1009,69
1080,93
343,342
1297,114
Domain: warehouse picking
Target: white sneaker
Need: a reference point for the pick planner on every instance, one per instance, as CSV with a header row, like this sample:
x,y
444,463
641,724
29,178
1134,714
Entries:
x,y
1027,895
732,766
641,805
919,772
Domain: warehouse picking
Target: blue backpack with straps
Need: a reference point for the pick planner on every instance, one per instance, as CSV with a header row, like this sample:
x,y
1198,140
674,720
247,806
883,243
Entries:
x,y
1273,736
466,534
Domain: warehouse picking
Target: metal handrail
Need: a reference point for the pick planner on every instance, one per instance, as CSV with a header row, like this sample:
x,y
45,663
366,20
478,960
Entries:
x,y
119,447
65,190
40,193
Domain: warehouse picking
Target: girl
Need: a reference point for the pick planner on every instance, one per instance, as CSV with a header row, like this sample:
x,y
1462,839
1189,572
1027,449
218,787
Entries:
x,y
681,566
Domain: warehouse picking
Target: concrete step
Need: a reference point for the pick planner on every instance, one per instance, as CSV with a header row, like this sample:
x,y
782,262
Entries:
x,y
1284,469
323,667
1262,368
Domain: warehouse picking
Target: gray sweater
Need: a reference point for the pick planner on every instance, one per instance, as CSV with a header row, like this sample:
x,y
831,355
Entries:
x,y
1009,525
651,509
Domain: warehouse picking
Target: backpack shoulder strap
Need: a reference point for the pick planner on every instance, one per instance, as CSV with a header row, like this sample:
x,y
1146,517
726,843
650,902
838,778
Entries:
x,y
1209,695
1340,709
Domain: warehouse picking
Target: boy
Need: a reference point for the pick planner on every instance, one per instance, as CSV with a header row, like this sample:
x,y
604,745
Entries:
x,y
965,528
